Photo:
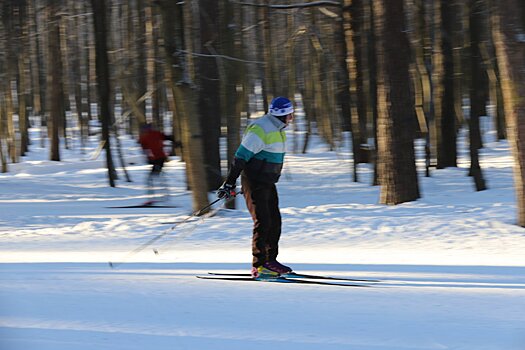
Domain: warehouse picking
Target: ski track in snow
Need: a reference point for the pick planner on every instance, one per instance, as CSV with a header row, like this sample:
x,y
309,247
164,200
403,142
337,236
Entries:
x,y
165,303
451,264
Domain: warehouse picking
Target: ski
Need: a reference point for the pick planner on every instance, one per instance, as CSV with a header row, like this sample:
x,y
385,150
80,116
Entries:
x,y
143,206
300,275
280,280
146,205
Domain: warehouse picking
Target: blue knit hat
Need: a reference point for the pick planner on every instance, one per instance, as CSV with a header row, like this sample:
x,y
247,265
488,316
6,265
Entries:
x,y
281,106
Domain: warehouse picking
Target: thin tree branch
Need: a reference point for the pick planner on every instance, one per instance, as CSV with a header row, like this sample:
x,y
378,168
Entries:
x,y
220,56
291,6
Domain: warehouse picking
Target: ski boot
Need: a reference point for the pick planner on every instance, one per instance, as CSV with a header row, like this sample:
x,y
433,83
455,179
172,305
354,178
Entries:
x,y
262,273
277,267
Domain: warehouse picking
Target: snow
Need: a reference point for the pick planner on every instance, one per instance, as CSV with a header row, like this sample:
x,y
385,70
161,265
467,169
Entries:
x,y
451,264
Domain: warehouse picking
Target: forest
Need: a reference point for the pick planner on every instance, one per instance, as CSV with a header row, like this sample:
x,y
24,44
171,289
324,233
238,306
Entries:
x,y
387,71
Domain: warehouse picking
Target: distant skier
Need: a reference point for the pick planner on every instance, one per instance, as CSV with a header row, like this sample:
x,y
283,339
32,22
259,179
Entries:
x,y
152,142
260,158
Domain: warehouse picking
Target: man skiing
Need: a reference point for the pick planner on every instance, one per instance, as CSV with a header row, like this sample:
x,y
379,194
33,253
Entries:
x,y
260,158
152,142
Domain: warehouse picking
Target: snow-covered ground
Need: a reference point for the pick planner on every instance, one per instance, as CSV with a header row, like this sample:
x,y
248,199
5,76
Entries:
x,y
451,265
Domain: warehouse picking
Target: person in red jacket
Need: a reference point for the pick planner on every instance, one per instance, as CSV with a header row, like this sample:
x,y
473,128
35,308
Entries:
x,y
152,142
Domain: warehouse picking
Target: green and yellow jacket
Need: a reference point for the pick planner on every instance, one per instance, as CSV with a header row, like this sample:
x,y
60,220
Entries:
x,y
261,152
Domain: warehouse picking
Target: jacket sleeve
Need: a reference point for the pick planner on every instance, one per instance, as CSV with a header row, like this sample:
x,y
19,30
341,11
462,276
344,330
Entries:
x,y
236,168
252,143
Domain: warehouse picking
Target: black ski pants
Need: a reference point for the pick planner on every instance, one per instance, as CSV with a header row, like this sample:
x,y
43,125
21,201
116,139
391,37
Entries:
x,y
263,204
154,174
156,165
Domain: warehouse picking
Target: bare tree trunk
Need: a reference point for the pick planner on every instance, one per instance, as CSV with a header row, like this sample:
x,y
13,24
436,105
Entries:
x,y
23,77
186,103
10,44
3,113
149,56
120,152
350,34
11,132
158,88
309,80
35,60
322,91
361,97
3,160
290,83
396,158
64,52
446,148
477,100
209,81
268,83
76,43
307,94
229,75
434,68
438,79
496,95
103,81
167,33
89,65
418,13
140,84
342,52
459,26
152,112
509,31
54,78
23,98
372,60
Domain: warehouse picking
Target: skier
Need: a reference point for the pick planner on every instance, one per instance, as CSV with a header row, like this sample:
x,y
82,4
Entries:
x,y
260,159
152,142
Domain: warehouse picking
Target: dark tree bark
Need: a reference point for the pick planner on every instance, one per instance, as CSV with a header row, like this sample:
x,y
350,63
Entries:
x,y
3,131
22,32
360,64
477,98
185,99
447,148
103,82
54,80
268,83
10,48
509,34
230,78
140,85
35,61
396,158
372,64
351,26
494,76
209,89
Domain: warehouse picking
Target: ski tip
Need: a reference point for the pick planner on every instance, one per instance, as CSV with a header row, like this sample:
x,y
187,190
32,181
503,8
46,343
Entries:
x,y
202,277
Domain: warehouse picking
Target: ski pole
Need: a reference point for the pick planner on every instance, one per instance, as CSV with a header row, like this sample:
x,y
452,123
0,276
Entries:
x,y
156,238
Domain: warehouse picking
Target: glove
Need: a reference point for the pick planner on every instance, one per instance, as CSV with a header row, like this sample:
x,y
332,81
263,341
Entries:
x,y
226,191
